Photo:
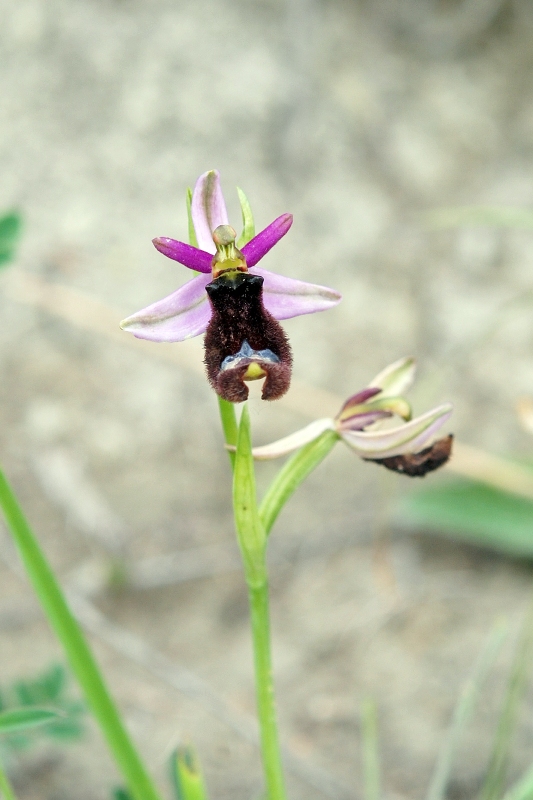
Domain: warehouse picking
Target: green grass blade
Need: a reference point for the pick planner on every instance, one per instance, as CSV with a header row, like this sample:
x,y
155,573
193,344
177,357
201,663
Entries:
x,y
20,719
292,474
371,769
463,712
76,648
497,769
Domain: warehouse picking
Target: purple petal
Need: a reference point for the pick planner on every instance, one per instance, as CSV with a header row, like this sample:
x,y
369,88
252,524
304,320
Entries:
x,y
265,241
182,315
208,209
357,399
186,254
286,297
408,438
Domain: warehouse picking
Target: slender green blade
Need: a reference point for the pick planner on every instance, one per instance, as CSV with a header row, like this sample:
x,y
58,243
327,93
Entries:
x,y
71,636
463,712
192,233
371,769
248,224
497,770
20,719
475,513
292,474
250,531
186,774
10,230
521,218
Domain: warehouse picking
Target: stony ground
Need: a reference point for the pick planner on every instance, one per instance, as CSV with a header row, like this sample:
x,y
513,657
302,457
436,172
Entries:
x,y
360,118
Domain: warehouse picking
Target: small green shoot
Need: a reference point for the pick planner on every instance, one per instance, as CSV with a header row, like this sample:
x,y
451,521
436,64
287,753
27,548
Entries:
x,y
186,774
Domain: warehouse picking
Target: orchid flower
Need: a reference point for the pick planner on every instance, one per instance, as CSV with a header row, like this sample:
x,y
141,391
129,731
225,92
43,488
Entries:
x,y
409,447
234,302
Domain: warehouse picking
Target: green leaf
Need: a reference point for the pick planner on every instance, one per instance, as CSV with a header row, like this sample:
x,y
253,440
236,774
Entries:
x,y
474,513
521,218
463,712
20,719
76,647
10,230
250,532
192,233
292,474
369,730
248,224
186,774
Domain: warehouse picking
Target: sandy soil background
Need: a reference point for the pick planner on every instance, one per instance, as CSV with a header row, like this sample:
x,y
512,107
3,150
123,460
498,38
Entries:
x,y
358,117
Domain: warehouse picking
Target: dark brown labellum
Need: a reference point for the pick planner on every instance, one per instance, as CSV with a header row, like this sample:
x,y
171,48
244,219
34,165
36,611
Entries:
x,y
416,465
243,341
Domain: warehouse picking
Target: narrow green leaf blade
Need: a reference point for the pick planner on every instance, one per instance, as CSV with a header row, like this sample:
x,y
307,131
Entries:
x,y
19,719
292,474
186,774
474,513
248,224
10,230
76,647
463,712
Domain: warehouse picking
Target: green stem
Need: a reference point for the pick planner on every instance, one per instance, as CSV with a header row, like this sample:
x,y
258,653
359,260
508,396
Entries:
x,y
76,648
229,425
252,542
266,705
6,790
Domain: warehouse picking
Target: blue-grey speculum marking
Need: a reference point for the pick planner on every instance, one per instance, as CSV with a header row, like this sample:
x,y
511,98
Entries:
x,y
247,353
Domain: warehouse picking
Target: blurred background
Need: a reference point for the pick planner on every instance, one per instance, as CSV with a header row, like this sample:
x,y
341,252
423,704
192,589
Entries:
x,y
363,119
